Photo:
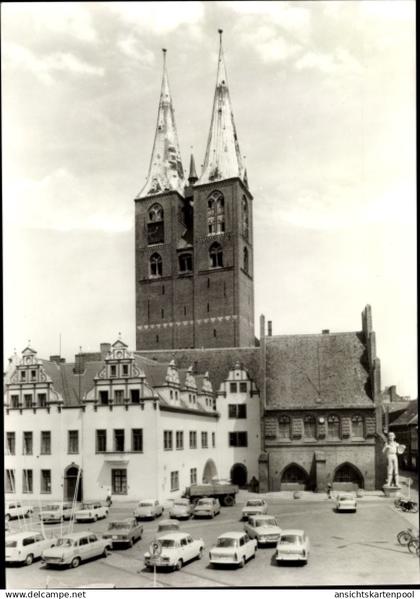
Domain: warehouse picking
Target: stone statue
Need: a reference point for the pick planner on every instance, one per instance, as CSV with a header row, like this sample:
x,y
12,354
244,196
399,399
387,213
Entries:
x,y
392,449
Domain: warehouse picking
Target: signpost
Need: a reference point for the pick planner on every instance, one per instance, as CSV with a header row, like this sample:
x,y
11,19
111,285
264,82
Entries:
x,y
155,549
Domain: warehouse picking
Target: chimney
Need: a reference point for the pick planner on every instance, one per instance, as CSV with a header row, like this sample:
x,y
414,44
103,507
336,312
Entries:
x,y
262,326
393,393
269,328
104,349
57,359
325,331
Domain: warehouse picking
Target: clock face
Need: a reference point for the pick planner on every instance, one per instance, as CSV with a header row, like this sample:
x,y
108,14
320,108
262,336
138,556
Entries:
x,y
28,360
119,354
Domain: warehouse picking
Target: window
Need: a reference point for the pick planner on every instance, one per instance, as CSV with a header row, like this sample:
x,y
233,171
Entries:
x,y
216,255
23,375
216,213
237,410
45,481
167,440
185,263
157,338
100,440
238,439
357,427
119,439
155,265
125,369
245,218
155,225
113,370
119,396
193,440
135,395
10,443
27,401
10,481
243,387
137,439
333,427
119,481
33,375
45,442
204,440
213,439
246,260
309,427
27,443
162,313
175,481
193,476
42,400
284,427
73,442
233,387
103,398
27,481
14,400
179,440
214,333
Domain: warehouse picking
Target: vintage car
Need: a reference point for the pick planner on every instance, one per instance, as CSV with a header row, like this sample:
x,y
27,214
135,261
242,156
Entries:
x,y
124,532
55,512
14,509
177,548
293,545
91,511
181,508
26,546
254,507
168,526
264,529
76,547
233,548
148,508
346,502
207,506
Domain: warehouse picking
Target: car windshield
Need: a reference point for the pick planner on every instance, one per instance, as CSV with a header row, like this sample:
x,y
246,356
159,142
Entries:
x,y
119,525
254,502
226,542
51,508
204,502
290,540
88,506
145,504
167,543
11,543
270,522
346,497
65,542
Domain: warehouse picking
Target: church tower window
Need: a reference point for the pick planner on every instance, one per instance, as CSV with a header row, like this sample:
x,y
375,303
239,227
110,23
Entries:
x,y
216,213
246,260
245,218
155,265
216,255
155,225
185,263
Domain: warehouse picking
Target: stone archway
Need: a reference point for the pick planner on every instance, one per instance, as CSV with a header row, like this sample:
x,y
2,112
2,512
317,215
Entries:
x,y
209,472
239,474
293,478
73,479
348,477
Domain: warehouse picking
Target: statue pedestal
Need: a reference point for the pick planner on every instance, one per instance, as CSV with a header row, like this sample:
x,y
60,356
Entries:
x,y
391,491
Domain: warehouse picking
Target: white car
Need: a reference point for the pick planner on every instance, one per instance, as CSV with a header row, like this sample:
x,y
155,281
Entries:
x,y
346,502
293,545
177,548
207,507
233,548
56,512
148,508
26,546
91,511
254,507
181,508
14,509
74,548
264,529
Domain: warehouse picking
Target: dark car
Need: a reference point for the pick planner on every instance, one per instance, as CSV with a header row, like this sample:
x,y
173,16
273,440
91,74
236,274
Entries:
x,y
124,532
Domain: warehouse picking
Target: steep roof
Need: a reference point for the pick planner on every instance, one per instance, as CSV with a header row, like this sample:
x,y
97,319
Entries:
x,y
409,416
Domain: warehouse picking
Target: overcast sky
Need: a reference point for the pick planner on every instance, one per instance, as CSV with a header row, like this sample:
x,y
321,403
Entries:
x,y
324,102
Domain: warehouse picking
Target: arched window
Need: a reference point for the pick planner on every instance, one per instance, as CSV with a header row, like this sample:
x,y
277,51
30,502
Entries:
x,y
246,260
309,427
216,213
185,262
357,427
284,427
245,218
333,427
216,255
155,226
155,265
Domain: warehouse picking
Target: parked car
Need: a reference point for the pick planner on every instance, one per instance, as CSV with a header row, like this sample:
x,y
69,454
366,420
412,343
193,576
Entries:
x,y
14,509
148,508
178,548
264,529
207,506
254,507
74,548
346,502
293,545
181,508
233,548
168,526
124,532
56,512
90,511
26,546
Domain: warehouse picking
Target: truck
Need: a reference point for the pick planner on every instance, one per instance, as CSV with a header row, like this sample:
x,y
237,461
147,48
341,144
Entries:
x,y
224,491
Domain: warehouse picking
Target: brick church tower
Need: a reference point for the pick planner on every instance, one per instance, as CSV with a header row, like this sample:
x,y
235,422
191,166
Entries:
x,y
193,239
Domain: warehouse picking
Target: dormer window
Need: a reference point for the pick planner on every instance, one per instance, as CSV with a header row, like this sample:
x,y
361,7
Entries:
x,y
33,374
155,225
113,370
23,375
125,369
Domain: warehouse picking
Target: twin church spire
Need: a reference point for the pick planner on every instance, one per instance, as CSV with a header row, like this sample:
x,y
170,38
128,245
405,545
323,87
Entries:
x,y
222,160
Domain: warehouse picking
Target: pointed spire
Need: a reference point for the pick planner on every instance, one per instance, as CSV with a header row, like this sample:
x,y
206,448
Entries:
x,y
223,157
246,177
165,170
192,177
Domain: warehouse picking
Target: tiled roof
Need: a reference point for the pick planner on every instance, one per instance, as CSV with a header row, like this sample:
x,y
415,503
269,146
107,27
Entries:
x,y
409,416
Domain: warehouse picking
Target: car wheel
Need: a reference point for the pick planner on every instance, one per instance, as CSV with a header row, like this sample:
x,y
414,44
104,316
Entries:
x,y
178,565
106,552
200,553
131,542
75,562
29,559
96,518
242,562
